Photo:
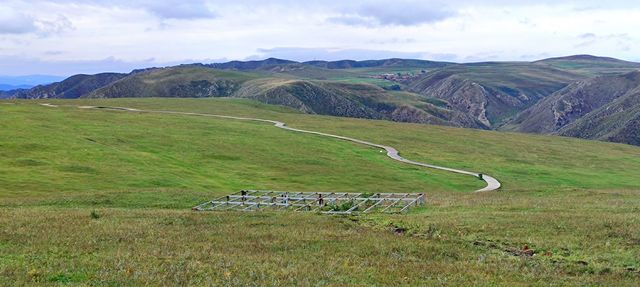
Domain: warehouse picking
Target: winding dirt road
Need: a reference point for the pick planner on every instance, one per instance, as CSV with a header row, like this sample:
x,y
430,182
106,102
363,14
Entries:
x,y
492,183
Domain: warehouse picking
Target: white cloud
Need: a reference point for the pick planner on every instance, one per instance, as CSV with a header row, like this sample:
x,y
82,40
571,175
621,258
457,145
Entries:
x,y
22,66
55,25
176,9
399,12
62,32
15,22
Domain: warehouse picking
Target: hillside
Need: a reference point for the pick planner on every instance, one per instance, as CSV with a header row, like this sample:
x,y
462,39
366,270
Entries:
x,y
103,197
578,100
385,63
181,82
249,65
352,100
28,81
340,64
492,92
617,121
70,88
518,96
4,87
590,65
316,97
497,92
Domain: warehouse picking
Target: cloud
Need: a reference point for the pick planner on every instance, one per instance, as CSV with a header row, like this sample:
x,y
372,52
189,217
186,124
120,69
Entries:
x,y
54,53
398,13
393,40
587,36
406,13
25,66
15,22
621,40
53,26
16,65
352,20
179,9
55,34
164,9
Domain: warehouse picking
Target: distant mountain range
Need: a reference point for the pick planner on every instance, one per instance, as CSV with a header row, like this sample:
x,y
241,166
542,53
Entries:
x,y
580,96
5,87
71,88
342,64
25,82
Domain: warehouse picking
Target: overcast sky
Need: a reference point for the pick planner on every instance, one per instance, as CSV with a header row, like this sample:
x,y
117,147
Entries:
x,y
63,37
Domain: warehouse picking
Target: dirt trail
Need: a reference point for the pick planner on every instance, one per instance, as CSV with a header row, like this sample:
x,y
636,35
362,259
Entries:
x,y
492,183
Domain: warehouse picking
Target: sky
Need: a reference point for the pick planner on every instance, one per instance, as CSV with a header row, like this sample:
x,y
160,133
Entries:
x,y
65,37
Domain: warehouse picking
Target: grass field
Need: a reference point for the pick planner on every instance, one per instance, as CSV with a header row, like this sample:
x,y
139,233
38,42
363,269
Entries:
x,y
96,197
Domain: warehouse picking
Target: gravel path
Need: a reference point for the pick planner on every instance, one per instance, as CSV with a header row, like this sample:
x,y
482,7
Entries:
x,y
492,183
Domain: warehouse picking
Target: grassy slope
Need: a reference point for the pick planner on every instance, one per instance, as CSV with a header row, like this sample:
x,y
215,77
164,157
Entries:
x,y
556,162
591,66
50,152
180,81
289,87
507,87
153,167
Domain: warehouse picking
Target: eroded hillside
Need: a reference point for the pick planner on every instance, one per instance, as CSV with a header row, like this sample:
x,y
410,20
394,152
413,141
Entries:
x,y
546,96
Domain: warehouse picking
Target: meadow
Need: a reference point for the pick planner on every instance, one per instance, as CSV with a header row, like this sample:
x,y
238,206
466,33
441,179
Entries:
x,y
103,198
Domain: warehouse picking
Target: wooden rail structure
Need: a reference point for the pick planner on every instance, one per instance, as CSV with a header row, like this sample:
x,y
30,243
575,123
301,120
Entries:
x,y
321,202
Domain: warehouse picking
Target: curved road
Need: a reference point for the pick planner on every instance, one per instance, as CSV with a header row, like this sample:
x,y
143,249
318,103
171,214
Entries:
x,y
492,183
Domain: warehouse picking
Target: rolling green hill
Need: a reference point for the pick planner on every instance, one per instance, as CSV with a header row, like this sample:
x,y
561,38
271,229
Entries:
x,y
351,100
309,96
70,88
102,197
383,64
488,95
182,81
591,65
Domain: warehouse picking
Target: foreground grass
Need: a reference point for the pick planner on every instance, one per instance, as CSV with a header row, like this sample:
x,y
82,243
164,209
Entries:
x,y
473,243
101,198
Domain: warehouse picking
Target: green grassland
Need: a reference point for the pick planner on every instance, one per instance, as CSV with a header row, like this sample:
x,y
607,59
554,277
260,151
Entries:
x,y
52,152
366,80
588,65
531,79
352,75
99,197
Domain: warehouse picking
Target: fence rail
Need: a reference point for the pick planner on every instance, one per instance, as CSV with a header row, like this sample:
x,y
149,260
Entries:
x,y
323,202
